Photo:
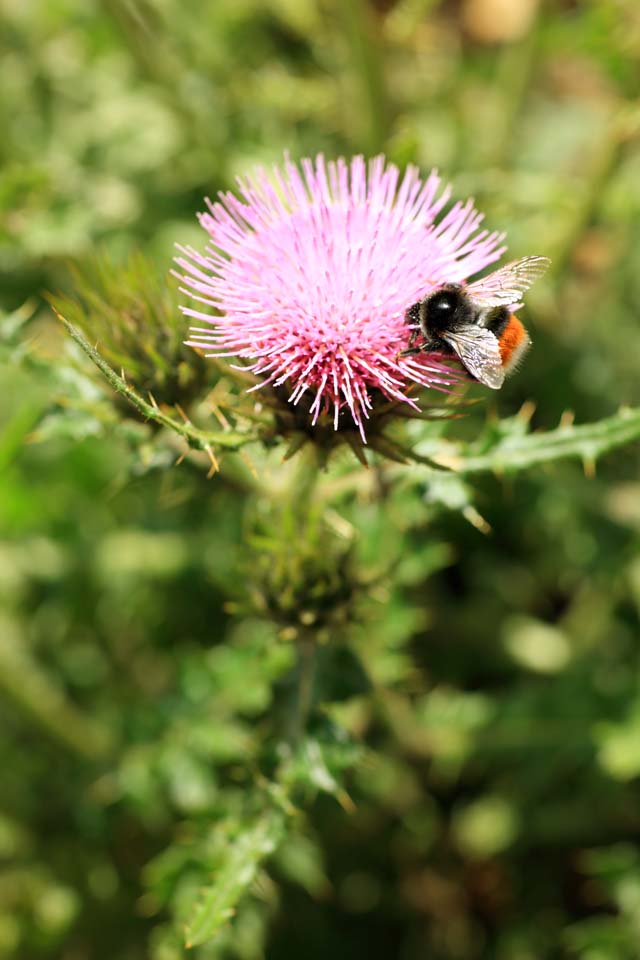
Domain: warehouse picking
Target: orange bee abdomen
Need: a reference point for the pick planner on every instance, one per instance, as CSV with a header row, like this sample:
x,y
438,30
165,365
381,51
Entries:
x,y
513,342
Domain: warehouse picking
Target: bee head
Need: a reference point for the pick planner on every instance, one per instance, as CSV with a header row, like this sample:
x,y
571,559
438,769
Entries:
x,y
412,315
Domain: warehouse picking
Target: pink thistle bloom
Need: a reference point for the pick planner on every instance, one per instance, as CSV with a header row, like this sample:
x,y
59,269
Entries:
x,y
311,271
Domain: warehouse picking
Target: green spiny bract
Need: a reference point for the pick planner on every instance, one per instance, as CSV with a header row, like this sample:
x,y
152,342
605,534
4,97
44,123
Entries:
x,y
131,312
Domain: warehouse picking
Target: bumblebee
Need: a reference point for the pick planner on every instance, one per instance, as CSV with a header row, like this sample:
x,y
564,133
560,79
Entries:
x,y
476,322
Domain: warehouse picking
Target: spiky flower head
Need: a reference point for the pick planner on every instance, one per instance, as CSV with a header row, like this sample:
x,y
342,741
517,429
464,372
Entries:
x,y
132,313
310,271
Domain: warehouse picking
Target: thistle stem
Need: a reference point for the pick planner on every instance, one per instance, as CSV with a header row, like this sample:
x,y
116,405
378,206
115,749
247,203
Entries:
x,y
305,671
303,514
302,489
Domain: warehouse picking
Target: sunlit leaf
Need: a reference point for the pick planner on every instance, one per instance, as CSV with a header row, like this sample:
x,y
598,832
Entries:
x,y
239,863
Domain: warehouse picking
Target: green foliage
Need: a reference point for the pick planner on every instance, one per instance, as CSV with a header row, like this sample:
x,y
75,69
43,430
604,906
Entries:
x,y
234,870
303,707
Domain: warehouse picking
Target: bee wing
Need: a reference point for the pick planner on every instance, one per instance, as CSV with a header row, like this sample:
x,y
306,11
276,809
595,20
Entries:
x,y
479,351
506,285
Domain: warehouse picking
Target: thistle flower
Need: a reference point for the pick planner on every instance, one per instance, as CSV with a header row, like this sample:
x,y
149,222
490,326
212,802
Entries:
x,y
310,272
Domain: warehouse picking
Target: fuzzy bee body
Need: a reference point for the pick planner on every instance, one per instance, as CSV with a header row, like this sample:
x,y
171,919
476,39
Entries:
x,y
475,322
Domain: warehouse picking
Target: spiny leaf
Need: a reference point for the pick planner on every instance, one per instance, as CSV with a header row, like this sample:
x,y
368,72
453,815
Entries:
x,y
240,863
518,451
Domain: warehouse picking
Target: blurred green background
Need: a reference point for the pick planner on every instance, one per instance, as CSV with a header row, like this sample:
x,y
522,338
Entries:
x,y
485,705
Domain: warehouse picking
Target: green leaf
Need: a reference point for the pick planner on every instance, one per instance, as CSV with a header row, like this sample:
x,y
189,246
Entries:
x,y
239,864
39,696
321,760
300,859
15,432
340,674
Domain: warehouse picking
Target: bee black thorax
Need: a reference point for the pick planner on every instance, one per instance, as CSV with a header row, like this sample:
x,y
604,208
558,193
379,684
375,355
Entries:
x,y
449,309
441,312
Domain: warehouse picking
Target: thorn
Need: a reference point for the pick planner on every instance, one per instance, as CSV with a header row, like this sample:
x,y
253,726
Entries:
x,y
245,456
152,400
567,418
357,449
388,449
180,459
182,414
345,801
476,519
215,466
589,467
323,454
527,410
450,461
341,526
219,415
297,442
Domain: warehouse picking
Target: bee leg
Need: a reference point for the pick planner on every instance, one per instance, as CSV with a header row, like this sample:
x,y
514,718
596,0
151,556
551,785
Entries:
x,y
410,352
438,346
